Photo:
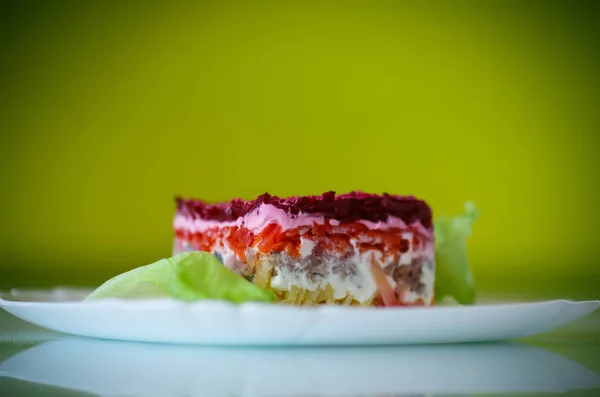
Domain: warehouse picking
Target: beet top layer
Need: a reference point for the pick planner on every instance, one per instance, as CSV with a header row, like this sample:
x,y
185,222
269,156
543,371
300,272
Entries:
x,y
347,207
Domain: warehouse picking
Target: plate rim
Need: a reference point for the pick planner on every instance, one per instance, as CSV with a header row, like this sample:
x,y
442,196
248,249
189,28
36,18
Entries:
x,y
168,302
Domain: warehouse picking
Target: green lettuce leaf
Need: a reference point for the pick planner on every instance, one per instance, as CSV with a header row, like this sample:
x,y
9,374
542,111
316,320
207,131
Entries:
x,y
453,277
188,276
200,275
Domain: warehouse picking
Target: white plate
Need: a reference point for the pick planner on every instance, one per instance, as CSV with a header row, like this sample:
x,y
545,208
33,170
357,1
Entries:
x,y
111,368
221,323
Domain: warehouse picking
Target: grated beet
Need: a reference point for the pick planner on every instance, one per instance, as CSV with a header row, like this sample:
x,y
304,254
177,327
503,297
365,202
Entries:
x,y
344,208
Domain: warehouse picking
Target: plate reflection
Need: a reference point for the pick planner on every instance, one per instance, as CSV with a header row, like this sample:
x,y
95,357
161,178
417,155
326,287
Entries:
x,y
111,368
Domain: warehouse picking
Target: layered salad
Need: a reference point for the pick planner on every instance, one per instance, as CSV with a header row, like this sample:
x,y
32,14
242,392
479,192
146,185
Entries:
x,y
353,249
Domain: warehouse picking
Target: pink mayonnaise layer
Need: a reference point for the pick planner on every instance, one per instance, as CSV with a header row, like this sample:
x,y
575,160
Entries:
x,y
256,220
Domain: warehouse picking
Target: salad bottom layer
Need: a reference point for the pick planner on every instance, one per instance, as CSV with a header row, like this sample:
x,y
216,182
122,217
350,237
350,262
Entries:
x,y
352,281
362,267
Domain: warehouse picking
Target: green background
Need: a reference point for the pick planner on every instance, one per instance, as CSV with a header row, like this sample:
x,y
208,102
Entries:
x,y
110,109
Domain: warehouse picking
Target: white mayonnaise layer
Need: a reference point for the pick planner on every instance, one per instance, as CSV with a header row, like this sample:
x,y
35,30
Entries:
x,y
361,285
